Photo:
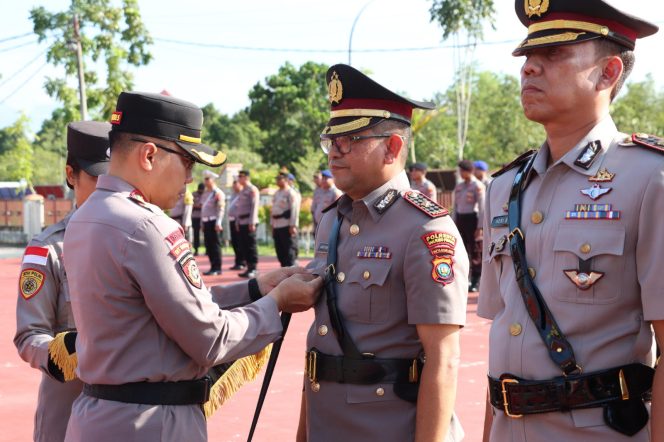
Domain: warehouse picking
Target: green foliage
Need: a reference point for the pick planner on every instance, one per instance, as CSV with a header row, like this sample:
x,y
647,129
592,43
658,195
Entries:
x,y
109,34
238,132
641,108
455,16
305,166
16,152
263,178
291,108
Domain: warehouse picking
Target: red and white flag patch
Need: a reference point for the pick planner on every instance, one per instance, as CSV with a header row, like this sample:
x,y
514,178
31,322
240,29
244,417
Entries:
x,y
36,255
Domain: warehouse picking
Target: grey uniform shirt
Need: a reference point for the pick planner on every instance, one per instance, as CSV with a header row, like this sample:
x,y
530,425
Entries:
x,y
388,288
605,324
42,311
143,314
246,205
426,187
283,201
322,199
213,203
469,198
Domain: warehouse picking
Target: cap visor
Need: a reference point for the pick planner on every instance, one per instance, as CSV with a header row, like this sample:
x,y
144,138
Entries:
x,y
203,154
348,125
554,37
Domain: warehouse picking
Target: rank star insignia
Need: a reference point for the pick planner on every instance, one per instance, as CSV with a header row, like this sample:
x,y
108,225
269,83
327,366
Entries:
x,y
583,280
335,89
536,7
603,176
596,191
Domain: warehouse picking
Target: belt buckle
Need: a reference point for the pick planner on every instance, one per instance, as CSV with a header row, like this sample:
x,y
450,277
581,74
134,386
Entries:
x,y
311,362
515,232
506,404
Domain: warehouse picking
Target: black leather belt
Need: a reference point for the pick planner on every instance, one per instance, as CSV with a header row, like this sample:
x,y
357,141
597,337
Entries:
x,y
369,370
517,397
153,393
244,216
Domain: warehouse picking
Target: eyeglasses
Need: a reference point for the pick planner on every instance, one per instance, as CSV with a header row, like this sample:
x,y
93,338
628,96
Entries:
x,y
344,142
187,160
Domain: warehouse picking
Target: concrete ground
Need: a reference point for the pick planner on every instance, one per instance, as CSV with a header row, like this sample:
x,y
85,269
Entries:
x,y
278,423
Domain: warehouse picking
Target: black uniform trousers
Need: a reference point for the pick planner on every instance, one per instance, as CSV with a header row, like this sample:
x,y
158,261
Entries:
x,y
196,228
235,242
248,246
212,244
285,245
467,225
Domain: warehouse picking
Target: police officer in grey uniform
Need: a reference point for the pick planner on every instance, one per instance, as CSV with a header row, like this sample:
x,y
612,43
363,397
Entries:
x,y
396,283
324,195
246,207
148,328
213,203
284,218
43,310
572,275
419,181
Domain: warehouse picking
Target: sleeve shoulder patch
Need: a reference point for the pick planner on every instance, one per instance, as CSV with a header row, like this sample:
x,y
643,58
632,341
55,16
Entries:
x,y
424,204
36,255
180,249
651,142
441,246
31,282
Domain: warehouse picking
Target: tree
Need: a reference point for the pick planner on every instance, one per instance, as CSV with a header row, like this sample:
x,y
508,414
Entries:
x,y
463,21
640,108
291,108
102,38
16,153
237,132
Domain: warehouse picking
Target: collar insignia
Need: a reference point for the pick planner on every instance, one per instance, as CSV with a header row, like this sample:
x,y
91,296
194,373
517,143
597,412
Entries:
x,y
588,155
603,176
386,201
596,191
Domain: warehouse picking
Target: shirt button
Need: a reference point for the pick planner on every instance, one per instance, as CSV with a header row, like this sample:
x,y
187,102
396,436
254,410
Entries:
x,y
537,217
322,330
380,391
515,329
354,229
315,387
532,272
341,276
366,274
585,248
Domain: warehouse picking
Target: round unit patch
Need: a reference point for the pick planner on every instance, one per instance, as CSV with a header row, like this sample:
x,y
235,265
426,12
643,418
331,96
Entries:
x,y
30,282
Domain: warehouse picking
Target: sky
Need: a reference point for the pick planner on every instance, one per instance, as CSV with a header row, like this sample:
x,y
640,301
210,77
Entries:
x,y
294,31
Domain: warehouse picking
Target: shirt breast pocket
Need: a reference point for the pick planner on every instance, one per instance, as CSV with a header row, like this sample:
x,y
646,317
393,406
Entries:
x,y
603,248
369,288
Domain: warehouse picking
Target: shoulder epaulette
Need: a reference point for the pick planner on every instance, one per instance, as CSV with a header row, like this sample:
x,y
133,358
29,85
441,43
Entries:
x,y
426,205
517,162
138,198
334,204
651,142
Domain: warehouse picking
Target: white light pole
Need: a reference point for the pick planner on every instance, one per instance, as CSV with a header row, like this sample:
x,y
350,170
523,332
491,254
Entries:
x,y
352,29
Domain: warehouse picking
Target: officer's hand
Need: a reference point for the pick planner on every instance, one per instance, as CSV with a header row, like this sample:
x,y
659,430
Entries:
x,y
218,228
252,228
292,230
268,281
297,293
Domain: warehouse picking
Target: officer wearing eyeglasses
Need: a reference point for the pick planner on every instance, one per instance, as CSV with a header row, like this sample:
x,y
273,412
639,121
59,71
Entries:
x,y
396,276
148,327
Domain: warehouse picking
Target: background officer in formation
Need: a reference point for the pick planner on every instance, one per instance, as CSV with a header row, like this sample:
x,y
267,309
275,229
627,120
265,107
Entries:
x,y
593,243
419,182
324,195
43,308
183,210
213,203
196,217
148,329
235,227
468,213
246,207
399,279
284,219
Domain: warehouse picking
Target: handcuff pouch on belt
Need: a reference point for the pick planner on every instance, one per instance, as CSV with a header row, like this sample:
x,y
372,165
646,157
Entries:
x,y
626,414
354,367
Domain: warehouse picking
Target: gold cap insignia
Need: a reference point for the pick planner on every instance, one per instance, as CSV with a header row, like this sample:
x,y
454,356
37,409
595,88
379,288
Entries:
x,y
536,7
603,176
335,89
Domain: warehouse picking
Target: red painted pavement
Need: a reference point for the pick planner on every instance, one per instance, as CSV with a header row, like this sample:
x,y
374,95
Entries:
x,y
278,423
